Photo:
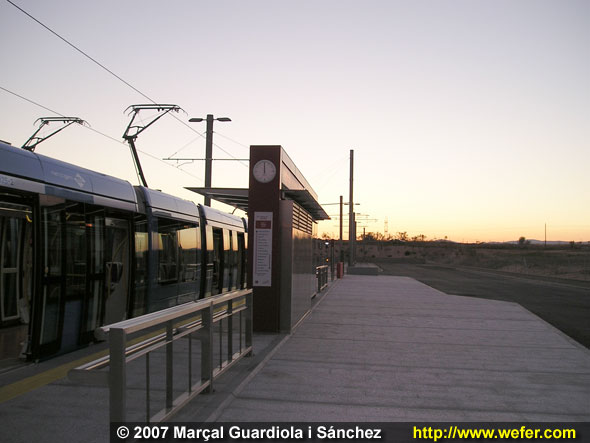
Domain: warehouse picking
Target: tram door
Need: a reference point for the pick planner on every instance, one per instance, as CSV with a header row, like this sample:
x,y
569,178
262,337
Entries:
x,y
48,317
15,276
107,278
116,277
218,265
85,274
76,267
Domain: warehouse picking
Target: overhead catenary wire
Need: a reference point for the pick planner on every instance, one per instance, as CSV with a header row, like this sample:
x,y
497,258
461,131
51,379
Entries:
x,y
328,175
241,161
232,140
79,50
31,101
106,69
187,144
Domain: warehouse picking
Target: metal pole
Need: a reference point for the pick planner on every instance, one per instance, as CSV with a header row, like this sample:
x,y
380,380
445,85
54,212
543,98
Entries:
x,y
249,321
207,347
169,366
230,332
354,238
117,375
351,233
340,241
332,272
208,156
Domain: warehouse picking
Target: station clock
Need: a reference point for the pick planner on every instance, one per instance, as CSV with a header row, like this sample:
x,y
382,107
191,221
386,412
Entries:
x,y
264,171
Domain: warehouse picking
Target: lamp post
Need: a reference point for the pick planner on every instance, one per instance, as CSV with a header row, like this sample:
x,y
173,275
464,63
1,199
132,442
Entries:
x,y
209,148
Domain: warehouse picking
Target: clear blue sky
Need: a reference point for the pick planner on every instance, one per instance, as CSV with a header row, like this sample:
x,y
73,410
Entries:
x,y
469,119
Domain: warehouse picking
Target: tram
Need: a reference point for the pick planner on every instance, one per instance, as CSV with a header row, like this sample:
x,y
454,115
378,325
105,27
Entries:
x,y
80,249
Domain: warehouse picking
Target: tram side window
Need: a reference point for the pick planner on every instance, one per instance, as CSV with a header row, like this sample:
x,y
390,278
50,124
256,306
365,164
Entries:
x,y
10,229
189,243
189,252
75,252
178,250
167,248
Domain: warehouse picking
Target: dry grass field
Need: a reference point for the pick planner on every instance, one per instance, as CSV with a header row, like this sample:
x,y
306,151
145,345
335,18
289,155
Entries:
x,y
558,261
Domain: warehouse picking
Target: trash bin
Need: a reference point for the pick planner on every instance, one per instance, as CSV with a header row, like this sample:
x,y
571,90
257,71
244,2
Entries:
x,y
340,270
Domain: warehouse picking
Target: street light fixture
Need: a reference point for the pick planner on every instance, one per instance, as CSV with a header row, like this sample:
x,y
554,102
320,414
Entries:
x,y
209,148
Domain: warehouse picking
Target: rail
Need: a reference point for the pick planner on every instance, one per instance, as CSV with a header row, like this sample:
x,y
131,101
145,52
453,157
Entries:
x,y
322,276
224,340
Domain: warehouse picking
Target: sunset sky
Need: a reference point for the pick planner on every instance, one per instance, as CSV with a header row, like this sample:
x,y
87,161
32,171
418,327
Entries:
x,y
469,119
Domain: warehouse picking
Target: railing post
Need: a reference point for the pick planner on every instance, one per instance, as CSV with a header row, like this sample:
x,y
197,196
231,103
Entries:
x,y
169,365
249,319
207,347
318,272
148,416
117,375
230,331
322,277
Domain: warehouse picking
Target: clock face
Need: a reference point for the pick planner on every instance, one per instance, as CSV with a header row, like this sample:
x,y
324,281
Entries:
x,y
264,171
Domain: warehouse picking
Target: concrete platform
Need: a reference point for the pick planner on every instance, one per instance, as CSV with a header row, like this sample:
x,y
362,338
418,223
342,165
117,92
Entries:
x,y
374,348
392,349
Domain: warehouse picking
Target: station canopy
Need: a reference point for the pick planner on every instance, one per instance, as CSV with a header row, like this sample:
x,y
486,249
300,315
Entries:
x,y
238,198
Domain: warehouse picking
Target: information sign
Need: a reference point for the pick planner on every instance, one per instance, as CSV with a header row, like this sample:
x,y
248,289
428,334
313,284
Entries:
x,y
262,249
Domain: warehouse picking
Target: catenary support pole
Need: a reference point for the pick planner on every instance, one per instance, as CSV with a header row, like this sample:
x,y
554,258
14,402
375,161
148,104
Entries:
x,y
351,232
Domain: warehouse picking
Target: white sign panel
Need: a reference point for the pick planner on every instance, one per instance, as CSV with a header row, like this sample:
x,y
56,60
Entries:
x,y
262,249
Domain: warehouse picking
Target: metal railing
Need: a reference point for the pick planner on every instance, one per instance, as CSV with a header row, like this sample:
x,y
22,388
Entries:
x,y
322,276
168,335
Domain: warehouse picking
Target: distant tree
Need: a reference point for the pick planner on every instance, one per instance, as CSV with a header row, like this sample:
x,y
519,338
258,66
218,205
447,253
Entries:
x,y
403,236
371,236
522,242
